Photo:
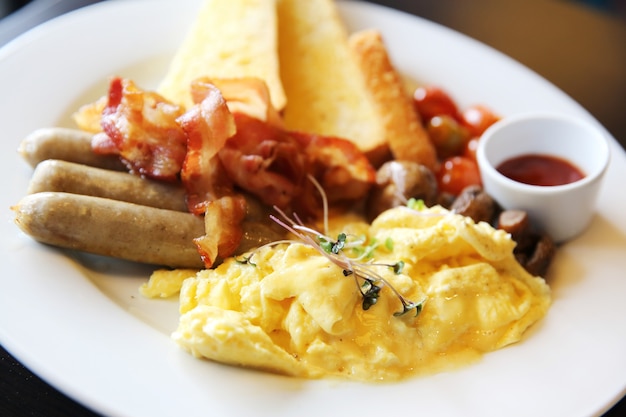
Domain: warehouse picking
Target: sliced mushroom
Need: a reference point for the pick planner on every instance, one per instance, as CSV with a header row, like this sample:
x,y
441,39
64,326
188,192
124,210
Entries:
x,y
534,251
475,203
541,257
397,182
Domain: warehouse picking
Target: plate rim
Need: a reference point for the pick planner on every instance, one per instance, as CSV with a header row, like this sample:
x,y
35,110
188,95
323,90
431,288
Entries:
x,y
31,37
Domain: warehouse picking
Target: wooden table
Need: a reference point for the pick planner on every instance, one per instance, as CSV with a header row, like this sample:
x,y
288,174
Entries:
x,y
580,50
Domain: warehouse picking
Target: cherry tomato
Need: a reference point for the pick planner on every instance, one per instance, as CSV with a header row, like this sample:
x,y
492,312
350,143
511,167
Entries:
x,y
478,118
456,173
470,148
448,136
432,101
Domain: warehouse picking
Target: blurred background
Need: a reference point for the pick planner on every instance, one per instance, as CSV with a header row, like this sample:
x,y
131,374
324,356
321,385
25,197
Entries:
x,y
13,20
616,8
578,45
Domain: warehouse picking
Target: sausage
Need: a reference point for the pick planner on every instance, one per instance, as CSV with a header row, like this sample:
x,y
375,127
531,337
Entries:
x,y
111,228
63,176
65,144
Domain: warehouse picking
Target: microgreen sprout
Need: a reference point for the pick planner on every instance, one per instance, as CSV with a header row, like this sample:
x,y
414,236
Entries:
x,y
416,204
246,260
369,282
398,267
408,306
333,247
370,292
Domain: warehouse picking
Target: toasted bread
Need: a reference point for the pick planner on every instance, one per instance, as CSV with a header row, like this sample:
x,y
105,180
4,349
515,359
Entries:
x,y
345,85
324,85
404,132
228,39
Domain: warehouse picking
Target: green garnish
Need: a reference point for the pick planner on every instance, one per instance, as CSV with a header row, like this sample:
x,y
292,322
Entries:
x,y
398,267
246,260
370,293
416,204
368,281
333,247
408,306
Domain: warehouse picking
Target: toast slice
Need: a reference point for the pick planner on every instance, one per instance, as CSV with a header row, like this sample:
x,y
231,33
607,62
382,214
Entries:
x,y
345,85
404,132
323,83
228,39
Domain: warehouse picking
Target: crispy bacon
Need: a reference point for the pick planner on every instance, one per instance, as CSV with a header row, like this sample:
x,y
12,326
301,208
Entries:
x,y
142,129
223,231
247,95
272,163
265,161
231,140
342,170
207,125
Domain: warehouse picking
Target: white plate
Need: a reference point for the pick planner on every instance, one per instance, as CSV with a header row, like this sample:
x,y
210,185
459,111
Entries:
x,y
81,325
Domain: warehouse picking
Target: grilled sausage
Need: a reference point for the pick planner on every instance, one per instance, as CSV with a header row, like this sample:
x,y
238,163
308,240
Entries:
x,y
111,228
65,144
62,176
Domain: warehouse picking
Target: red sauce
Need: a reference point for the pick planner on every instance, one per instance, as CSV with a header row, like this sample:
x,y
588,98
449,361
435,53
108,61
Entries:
x,y
536,169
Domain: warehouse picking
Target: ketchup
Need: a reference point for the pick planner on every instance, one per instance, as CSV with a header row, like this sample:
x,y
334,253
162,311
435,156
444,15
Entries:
x,y
535,169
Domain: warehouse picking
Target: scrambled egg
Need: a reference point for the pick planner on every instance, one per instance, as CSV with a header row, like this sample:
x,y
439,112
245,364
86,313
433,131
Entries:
x,y
293,311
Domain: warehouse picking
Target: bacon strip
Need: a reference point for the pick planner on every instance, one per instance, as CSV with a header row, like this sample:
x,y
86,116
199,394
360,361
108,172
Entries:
x,y
231,139
142,129
208,125
223,231
247,95
265,161
339,166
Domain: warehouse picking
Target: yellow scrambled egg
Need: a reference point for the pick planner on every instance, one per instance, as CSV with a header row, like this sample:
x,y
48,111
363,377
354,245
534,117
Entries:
x,y
291,310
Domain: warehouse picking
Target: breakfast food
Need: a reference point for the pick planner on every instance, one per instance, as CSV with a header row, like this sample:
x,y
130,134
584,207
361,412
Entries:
x,y
217,48
404,133
69,177
65,144
111,228
288,308
232,176
344,85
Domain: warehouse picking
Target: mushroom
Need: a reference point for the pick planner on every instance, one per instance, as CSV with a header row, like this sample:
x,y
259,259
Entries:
x,y
475,203
397,182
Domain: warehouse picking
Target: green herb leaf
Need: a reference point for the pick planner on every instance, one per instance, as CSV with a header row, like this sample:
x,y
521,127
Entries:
x,y
398,267
370,295
408,306
364,272
339,244
246,260
416,204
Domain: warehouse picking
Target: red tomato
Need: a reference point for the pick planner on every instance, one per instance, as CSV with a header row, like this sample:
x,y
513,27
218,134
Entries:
x,y
478,118
433,101
457,173
470,149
